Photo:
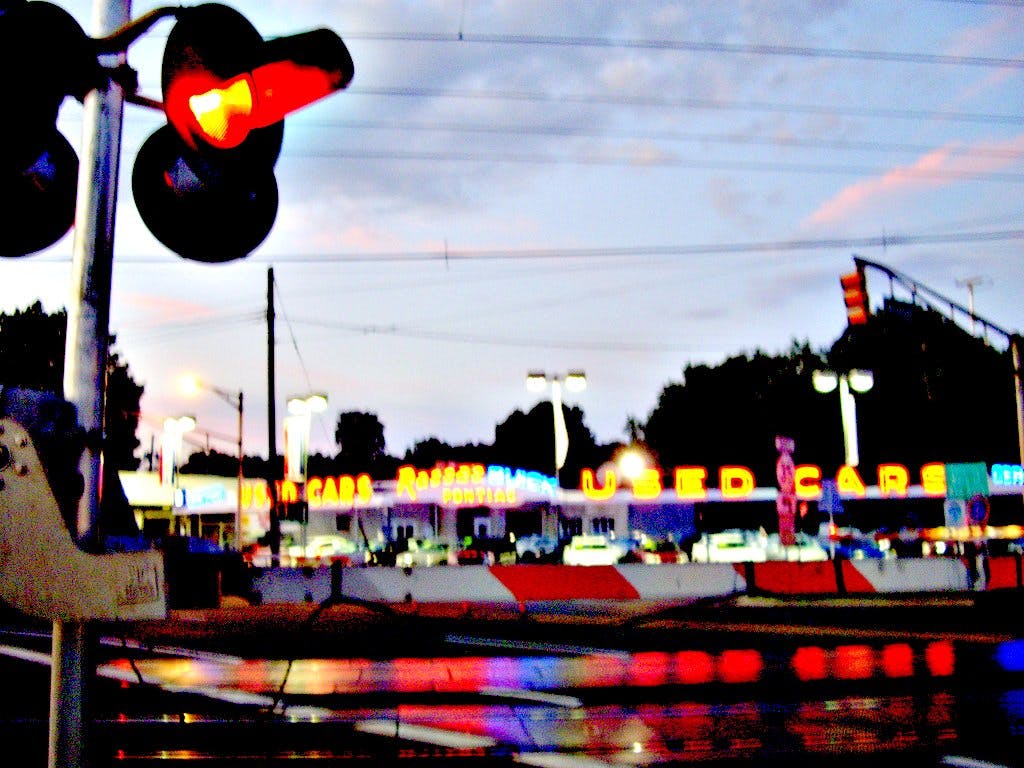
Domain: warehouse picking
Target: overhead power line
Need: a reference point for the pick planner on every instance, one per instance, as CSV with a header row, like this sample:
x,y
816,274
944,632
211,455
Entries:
x,y
689,103
824,244
695,46
598,252
634,160
492,129
491,340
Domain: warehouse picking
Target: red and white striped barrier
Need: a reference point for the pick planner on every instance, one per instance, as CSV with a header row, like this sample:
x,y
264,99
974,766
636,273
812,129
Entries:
x,y
519,584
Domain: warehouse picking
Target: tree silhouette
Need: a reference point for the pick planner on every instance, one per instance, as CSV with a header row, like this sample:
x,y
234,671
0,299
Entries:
x,y
361,445
731,413
527,441
32,356
940,394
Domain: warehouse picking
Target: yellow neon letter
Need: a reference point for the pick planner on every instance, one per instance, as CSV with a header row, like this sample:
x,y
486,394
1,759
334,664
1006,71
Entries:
x,y
848,480
735,482
893,480
691,482
313,488
808,481
590,488
933,478
346,489
406,483
364,487
288,491
648,484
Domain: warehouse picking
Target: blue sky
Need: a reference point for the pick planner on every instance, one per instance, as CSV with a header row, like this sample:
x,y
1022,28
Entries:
x,y
622,188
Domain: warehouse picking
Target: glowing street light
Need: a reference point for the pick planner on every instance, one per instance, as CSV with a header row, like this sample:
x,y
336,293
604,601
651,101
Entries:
x,y
573,381
633,462
296,429
170,446
847,383
309,404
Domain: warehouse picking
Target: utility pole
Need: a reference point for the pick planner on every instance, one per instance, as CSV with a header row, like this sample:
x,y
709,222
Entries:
x,y
969,283
275,520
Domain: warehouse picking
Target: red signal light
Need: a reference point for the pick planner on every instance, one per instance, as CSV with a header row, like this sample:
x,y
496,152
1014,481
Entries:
x,y
204,183
855,295
302,69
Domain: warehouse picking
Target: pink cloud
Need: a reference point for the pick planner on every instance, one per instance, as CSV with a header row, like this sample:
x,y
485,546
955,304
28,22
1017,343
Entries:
x,y
163,307
976,41
939,168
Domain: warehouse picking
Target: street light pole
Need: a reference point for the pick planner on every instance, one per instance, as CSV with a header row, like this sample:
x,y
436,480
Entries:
x,y
301,410
193,385
574,381
238,402
847,383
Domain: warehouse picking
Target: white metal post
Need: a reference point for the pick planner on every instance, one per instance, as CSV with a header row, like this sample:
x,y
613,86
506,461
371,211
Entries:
x,y
84,379
848,414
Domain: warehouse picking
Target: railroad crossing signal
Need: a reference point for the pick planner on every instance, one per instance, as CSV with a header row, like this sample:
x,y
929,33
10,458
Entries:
x,y
45,56
204,183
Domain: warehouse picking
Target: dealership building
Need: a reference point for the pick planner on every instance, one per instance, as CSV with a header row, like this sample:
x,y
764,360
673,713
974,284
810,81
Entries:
x,y
450,502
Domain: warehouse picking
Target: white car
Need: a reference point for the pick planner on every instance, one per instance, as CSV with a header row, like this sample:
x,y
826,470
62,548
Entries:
x,y
422,552
592,550
327,549
735,546
805,550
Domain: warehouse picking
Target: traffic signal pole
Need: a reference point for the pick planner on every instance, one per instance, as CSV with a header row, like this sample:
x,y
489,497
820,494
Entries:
x,y
73,668
1013,340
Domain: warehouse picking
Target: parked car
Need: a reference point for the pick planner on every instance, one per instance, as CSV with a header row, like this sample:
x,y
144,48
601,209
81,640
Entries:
x,y
422,552
486,551
328,549
664,552
535,548
592,550
732,546
805,549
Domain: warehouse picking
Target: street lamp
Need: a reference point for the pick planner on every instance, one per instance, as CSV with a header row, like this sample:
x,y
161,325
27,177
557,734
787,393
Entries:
x,y
847,383
170,450
573,381
296,439
297,428
192,385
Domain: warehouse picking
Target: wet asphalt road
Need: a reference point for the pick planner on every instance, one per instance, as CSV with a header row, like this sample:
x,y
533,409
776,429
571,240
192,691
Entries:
x,y
771,683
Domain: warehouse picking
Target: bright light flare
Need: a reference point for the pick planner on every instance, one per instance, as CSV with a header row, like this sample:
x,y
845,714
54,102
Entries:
x,y
575,381
861,381
180,425
221,113
536,381
824,381
190,385
314,403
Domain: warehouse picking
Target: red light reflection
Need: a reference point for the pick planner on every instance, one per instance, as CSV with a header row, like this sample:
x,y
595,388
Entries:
x,y
940,658
853,662
810,663
898,660
740,666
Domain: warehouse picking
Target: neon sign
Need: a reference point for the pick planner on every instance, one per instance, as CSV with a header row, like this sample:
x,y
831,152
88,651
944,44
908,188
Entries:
x,y
1008,474
331,491
471,484
736,483
343,490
